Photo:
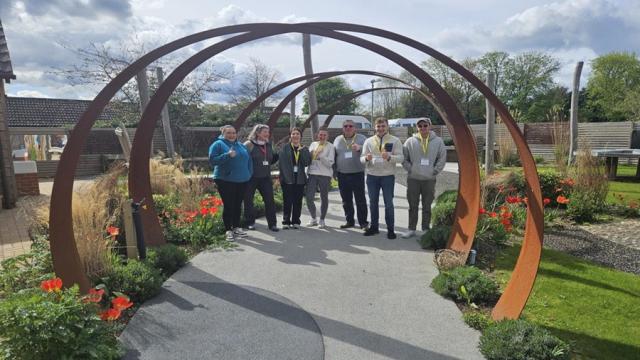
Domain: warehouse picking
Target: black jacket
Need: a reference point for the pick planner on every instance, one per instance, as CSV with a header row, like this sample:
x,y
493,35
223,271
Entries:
x,y
286,165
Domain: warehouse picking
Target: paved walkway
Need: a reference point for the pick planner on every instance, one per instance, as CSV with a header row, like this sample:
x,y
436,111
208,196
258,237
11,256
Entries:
x,y
305,294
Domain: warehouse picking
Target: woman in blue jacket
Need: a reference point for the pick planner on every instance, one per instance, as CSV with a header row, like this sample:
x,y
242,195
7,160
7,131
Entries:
x,y
232,169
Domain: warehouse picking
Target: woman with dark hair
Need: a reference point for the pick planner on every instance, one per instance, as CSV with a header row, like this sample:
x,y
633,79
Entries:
x,y
262,157
232,169
294,157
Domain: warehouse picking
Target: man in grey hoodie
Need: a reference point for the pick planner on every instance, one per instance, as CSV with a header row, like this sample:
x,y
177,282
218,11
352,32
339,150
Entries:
x,y
424,158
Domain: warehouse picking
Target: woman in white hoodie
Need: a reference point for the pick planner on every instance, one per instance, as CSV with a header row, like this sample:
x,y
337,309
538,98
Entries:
x,y
320,171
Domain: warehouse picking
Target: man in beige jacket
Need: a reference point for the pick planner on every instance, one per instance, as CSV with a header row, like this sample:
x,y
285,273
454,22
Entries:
x,y
380,154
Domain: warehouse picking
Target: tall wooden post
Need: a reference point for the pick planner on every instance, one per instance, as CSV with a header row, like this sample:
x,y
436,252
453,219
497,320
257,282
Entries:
x,y
143,90
9,189
292,115
490,128
573,121
166,125
311,90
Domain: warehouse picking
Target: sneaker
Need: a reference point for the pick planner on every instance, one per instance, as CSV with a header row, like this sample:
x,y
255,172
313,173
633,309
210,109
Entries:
x,y
322,225
391,235
295,226
285,226
274,229
251,227
364,226
371,232
409,234
230,236
239,232
347,226
312,222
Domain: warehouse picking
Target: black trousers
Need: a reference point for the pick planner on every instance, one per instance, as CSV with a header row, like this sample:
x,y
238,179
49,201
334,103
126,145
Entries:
x,y
231,194
265,186
292,197
352,185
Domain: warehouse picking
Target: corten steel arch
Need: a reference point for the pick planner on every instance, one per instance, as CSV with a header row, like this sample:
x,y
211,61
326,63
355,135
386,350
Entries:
x,y
66,261
463,229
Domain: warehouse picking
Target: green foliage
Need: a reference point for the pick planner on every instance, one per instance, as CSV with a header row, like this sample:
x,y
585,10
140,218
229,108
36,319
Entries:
x,y
584,206
614,77
476,319
27,270
138,279
58,325
539,159
480,288
448,196
436,238
491,230
520,340
328,92
443,213
167,258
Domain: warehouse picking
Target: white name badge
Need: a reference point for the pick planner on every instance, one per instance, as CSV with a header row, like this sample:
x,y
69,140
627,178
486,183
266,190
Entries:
x,y
265,163
376,160
424,162
295,169
348,155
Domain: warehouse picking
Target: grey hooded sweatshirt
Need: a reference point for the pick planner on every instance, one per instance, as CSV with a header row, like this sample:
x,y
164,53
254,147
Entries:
x,y
419,165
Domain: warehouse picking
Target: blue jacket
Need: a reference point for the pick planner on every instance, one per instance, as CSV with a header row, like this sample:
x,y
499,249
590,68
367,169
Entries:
x,y
238,169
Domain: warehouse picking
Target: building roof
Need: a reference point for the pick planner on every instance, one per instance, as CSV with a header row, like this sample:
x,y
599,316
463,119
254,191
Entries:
x,y
59,113
6,70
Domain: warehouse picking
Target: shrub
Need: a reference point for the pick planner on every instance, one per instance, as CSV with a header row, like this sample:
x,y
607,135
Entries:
x,y
26,270
436,238
480,288
539,159
519,339
168,258
443,214
583,206
476,319
137,279
448,196
54,325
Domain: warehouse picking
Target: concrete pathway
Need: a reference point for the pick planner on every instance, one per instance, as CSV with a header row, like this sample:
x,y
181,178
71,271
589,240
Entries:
x,y
305,294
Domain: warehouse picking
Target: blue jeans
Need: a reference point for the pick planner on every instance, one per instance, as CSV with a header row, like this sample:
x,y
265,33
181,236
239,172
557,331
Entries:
x,y
374,184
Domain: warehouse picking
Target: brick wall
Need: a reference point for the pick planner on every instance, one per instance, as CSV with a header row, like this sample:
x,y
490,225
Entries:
x,y
27,184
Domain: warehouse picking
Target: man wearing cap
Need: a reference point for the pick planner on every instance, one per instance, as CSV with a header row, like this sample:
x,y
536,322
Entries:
x,y
424,158
380,154
350,173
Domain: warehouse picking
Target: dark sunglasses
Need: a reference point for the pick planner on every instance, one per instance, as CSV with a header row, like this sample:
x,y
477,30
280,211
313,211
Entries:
x,y
347,126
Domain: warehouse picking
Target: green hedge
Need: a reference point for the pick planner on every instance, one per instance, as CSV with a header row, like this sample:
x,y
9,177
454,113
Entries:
x,y
480,287
521,340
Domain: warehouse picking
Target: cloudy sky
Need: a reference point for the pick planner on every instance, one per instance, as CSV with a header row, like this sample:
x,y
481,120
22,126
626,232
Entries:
x,y
42,33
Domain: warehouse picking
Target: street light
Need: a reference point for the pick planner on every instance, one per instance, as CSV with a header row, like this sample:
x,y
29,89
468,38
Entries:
x,y
373,81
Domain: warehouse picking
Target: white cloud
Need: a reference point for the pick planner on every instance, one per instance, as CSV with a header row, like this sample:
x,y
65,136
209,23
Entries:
x,y
30,93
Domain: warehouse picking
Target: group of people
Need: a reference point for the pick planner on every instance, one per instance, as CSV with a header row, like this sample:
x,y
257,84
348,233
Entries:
x,y
242,168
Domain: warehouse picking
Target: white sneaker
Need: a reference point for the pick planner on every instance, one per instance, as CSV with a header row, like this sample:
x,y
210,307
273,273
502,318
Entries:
x,y
321,225
312,222
295,226
239,232
230,236
409,234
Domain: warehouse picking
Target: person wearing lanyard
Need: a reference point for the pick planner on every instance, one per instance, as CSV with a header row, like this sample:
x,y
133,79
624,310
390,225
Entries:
x,y
232,170
293,158
262,156
424,158
380,154
320,173
350,173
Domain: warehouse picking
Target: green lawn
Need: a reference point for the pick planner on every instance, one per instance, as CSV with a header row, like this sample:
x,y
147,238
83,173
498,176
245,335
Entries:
x,y
595,309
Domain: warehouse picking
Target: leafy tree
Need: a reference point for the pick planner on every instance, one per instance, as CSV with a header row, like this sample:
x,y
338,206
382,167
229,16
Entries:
x,y
329,91
613,85
494,62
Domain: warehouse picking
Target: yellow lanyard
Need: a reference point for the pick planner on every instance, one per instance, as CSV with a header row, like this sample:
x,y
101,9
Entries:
x,y
353,139
317,151
296,154
379,145
424,144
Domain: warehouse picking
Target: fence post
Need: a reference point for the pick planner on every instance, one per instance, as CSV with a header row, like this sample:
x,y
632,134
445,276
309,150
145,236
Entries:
x,y
490,128
129,230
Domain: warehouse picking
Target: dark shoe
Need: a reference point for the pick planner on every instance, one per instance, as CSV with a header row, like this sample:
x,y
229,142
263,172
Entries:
x,y
391,235
371,232
364,226
274,229
347,226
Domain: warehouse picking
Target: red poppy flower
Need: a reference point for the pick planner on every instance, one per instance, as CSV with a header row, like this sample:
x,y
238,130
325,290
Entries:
x,y
213,210
113,231
110,315
121,303
562,200
493,214
51,285
482,211
204,211
217,201
95,295
546,201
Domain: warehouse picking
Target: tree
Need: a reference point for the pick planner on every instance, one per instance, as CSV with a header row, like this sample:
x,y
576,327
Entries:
x,y
494,62
614,79
328,92
257,79
389,102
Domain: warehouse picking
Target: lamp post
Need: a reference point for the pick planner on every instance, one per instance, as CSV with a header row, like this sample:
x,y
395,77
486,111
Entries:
x,y
373,81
